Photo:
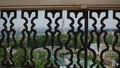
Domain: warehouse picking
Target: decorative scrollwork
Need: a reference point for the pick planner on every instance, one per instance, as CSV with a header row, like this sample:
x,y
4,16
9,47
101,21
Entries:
x,y
56,33
29,17
116,37
83,38
8,17
75,47
98,32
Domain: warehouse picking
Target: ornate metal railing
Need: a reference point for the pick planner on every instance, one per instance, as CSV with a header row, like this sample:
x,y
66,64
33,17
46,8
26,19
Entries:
x,y
86,38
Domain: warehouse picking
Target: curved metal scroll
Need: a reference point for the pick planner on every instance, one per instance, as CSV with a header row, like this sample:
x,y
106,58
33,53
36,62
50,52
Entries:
x,y
75,47
78,43
6,32
98,32
52,57
29,33
116,37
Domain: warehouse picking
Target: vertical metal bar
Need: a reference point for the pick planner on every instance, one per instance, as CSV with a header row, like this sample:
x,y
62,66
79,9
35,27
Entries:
x,y
86,36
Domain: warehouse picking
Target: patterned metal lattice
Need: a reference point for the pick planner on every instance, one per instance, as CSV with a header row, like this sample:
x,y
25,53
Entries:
x,y
59,38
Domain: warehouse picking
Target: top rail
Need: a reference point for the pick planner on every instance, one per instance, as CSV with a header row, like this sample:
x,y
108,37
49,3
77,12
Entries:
x,y
59,4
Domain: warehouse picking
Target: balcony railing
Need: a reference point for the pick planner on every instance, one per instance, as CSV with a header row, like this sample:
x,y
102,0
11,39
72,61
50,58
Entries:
x,y
60,38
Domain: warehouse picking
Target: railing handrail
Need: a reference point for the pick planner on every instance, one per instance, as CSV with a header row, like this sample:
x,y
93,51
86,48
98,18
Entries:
x,y
60,7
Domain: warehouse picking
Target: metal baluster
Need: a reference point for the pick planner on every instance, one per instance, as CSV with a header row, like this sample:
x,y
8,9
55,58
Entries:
x,y
116,37
6,33
75,58
52,53
28,54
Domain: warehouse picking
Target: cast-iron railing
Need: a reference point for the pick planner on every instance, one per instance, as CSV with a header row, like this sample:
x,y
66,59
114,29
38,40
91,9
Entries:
x,y
76,45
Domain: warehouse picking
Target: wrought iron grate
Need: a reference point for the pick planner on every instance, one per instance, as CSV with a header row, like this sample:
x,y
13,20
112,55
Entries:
x,y
59,38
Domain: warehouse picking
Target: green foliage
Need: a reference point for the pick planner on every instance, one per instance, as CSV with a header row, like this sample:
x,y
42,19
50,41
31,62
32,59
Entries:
x,y
118,43
63,39
18,57
112,54
1,54
110,39
40,39
72,41
39,58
